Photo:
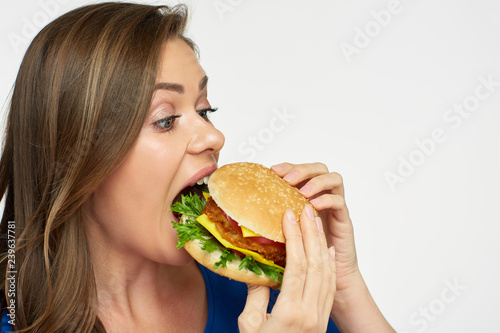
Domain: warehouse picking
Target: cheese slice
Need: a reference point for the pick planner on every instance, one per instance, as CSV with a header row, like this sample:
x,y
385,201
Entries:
x,y
210,226
248,233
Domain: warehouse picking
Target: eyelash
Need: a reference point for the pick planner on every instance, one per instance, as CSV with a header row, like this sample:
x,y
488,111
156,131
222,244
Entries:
x,y
204,113
170,120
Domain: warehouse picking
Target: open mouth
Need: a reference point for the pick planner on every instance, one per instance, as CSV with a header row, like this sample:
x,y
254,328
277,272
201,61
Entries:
x,y
198,188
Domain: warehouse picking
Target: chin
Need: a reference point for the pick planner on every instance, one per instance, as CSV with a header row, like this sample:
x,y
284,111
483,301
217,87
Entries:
x,y
178,257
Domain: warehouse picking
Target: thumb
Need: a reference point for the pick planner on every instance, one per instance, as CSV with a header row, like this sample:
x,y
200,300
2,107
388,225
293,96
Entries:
x,y
255,310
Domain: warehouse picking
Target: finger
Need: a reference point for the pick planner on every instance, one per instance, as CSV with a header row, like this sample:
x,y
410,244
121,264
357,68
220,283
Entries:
x,y
332,201
328,286
319,285
328,271
295,271
331,182
295,174
331,281
282,169
329,289
315,251
255,310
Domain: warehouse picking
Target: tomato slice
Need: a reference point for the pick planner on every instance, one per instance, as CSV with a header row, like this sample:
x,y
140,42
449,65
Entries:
x,y
266,241
233,223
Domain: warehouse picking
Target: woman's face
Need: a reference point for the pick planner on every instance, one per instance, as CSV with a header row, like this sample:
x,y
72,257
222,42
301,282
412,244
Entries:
x,y
177,146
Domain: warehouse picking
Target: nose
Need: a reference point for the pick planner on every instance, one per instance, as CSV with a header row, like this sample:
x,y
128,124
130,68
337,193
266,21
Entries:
x,y
205,138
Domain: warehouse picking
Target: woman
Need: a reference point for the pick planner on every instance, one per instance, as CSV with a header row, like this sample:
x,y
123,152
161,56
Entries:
x,y
108,122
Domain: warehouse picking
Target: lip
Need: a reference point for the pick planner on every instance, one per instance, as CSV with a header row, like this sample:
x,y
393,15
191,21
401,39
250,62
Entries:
x,y
206,171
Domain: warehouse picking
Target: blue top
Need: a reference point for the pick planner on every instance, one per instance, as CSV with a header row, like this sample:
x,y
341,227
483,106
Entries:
x,y
5,326
226,300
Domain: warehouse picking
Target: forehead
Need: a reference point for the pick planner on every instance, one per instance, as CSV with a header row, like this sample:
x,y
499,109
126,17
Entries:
x,y
179,64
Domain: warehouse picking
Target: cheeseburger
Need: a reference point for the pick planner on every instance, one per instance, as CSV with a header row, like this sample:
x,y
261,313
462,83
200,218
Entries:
x,y
233,225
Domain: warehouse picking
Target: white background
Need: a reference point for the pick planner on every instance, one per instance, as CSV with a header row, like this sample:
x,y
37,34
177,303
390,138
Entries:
x,y
362,114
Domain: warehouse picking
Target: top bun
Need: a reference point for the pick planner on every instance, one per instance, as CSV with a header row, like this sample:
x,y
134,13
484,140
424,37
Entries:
x,y
255,197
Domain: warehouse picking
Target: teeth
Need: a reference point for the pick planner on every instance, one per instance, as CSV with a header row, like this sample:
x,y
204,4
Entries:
x,y
204,180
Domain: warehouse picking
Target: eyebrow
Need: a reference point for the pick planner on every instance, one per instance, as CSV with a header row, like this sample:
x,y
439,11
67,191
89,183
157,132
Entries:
x,y
179,88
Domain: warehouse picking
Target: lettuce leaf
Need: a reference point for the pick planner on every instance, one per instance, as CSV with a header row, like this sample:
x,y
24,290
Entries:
x,y
250,263
227,255
191,205
191,230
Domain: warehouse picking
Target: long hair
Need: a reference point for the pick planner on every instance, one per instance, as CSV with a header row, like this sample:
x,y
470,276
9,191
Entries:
x,y
79,102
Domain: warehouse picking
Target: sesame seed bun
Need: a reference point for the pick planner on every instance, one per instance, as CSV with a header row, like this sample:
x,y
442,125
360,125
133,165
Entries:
x,y
255,197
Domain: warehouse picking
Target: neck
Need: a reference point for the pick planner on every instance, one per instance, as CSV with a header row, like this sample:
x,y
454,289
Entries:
x,y
133,291
125,280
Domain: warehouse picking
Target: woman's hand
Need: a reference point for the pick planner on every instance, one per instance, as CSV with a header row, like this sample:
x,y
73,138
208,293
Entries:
x,y
325,190
354,309
308,287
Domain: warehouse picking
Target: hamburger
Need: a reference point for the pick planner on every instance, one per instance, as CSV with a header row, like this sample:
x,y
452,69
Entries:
x,y
232,226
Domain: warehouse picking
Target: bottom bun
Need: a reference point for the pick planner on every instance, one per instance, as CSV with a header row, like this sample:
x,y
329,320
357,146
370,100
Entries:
x,y
208,259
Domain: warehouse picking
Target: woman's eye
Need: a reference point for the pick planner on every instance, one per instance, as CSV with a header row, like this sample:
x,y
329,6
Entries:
x,y
204,113
167,123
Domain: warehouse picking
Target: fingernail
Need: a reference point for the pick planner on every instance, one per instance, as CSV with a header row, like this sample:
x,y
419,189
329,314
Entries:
x,y
309,212
291,216
315,201
306,189
332,252
278,167
291,176
319,223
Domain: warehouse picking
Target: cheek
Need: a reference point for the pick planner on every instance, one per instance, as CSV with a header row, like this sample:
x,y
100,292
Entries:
x,y
132,206
140,185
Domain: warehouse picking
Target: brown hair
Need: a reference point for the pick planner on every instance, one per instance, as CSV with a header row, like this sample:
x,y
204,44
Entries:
x,y
79,102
